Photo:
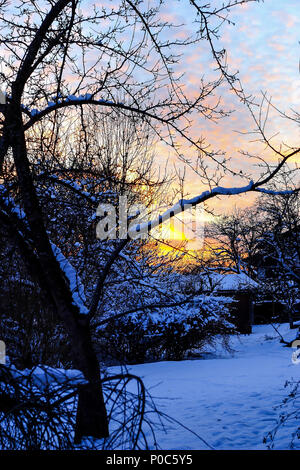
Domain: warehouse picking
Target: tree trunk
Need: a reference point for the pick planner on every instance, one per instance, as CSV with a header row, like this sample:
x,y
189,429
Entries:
x,y
91,419
91,415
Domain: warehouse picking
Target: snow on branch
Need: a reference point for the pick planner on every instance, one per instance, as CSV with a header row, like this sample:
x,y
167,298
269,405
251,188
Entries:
x,y
185,204
277,193
10,204
76,285
72,100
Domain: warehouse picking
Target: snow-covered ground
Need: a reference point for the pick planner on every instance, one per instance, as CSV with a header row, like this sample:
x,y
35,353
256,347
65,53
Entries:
x,y
227,399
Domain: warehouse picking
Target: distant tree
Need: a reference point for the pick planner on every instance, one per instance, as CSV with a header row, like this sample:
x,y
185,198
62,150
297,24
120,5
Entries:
x,y
279,248
232,241
263,241
281,238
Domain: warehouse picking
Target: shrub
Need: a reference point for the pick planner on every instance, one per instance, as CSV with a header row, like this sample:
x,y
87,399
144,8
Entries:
x,y
166,335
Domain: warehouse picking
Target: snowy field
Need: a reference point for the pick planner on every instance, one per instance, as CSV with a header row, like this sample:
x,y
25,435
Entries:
x,y
227,399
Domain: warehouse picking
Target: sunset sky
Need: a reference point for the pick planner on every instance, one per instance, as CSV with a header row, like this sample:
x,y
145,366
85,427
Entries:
x,y
264,46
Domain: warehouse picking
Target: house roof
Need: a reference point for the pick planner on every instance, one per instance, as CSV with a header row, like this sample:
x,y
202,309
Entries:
x,y
229,282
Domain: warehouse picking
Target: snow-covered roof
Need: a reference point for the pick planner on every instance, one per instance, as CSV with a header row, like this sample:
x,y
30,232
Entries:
x,y
229,282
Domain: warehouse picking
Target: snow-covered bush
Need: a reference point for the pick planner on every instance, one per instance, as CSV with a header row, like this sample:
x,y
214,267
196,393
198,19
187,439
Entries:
x,y
38,409
168,334
35,411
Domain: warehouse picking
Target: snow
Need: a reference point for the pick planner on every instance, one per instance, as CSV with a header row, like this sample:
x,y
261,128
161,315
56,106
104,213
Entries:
x,y
76,285
88,97
276,193
43,376
10,203
229,282
227,399
185,204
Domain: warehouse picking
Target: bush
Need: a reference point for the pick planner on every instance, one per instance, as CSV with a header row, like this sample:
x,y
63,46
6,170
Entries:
x,y
30,327
167,335
38,411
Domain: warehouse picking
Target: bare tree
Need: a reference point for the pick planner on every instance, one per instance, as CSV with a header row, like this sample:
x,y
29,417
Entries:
x,y
60,58
263,241
232,240
279,248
